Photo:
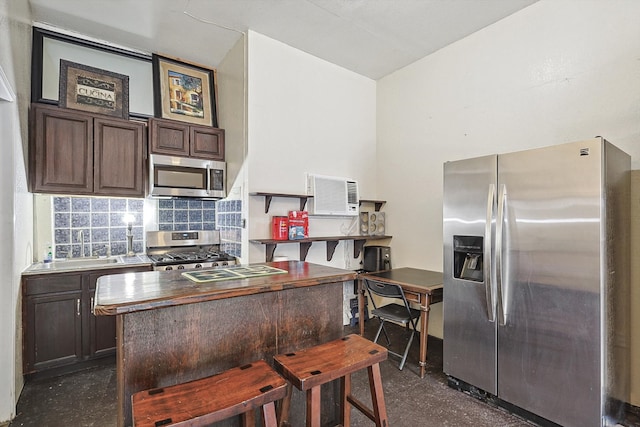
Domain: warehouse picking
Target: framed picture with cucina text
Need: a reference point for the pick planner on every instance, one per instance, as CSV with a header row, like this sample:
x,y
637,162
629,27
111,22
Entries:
x,y
184,91
92,89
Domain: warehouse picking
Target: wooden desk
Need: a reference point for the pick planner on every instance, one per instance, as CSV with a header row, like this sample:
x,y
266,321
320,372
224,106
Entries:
x,y
423,287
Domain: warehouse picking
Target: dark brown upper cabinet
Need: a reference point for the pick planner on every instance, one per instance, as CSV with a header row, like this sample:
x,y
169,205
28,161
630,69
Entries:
x,y
73,152
173,138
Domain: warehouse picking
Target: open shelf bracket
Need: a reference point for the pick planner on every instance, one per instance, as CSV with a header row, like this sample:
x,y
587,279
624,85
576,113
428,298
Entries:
x,y
331,248
269,196
305,244
267,203
271,248
304,250
357,247
303,202
376,203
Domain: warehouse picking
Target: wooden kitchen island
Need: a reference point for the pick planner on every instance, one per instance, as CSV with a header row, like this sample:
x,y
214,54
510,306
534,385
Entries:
x,y
171,329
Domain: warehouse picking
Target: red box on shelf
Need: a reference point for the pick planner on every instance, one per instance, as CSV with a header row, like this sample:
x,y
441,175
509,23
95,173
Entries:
x,y
298,225
279,228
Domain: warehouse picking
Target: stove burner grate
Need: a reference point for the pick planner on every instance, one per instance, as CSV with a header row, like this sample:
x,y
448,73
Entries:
x,y
189,257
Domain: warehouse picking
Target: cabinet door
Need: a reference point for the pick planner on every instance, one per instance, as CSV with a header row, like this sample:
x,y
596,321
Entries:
x,y
102,329
61,158
52,321
119,158
207,143
169,137
102,332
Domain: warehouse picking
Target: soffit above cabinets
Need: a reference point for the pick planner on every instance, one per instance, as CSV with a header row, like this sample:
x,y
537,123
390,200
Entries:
x,y
371,38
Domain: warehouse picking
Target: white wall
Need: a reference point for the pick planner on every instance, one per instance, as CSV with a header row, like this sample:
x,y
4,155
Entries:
x,y
305,115
16,212
555,72
232,117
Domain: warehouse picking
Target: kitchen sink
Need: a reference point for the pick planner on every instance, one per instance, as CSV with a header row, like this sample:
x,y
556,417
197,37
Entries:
x,y
70,264
84,262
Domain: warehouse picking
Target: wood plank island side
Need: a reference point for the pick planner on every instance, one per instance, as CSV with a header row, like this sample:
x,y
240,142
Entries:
x,y
171,330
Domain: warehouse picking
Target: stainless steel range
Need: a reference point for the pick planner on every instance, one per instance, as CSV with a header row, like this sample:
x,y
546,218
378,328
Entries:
x,y
186,250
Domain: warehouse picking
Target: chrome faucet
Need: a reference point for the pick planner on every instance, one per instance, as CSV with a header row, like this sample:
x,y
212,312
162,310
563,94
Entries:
x,y
130,251
81,238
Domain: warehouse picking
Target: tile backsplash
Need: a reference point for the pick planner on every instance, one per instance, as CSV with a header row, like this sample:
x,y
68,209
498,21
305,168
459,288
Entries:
x,y
195,214
186,214
100,221
229,222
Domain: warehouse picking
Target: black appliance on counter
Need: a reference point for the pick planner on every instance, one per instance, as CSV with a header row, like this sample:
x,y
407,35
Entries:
x,y
377,258
186,250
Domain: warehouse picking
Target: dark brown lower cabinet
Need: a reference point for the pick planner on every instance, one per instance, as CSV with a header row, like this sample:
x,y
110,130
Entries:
x,y
52,322
102,329
59,329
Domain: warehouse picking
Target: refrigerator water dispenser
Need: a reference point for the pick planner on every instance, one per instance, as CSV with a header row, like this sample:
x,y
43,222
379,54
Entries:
x,y
467,258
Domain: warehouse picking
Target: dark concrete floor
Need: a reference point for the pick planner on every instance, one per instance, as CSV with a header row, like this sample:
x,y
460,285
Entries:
x,y
88,398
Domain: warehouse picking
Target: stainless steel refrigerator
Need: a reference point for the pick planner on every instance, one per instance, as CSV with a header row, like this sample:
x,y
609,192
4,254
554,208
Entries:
x,y
536,281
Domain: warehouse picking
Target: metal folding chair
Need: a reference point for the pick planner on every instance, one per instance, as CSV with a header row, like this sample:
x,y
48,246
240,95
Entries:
x,y
393,312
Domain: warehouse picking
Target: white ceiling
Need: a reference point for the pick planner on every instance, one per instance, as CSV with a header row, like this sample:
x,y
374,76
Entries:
x,y
370,37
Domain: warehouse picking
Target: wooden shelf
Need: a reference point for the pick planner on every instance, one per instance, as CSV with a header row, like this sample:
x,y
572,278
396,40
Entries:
x,y
305,244
268,196
303,200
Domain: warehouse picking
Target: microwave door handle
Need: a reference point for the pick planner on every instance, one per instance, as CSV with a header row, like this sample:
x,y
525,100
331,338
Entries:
x,y
208,189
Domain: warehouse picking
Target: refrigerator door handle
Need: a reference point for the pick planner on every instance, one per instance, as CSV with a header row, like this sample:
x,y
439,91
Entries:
x,y
501,285
488,263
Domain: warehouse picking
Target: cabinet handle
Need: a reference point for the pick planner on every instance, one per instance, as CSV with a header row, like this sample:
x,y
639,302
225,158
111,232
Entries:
x,y
78,307
91,306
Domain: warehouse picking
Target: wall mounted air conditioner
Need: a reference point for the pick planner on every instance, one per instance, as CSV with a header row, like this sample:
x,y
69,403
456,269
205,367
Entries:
x,y
332,195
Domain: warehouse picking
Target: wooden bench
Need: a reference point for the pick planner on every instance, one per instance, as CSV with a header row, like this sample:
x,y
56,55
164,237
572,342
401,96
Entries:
x,y
237,391
310,368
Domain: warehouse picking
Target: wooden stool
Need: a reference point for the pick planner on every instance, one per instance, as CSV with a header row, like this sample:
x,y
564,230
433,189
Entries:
x,y
202,402
310,368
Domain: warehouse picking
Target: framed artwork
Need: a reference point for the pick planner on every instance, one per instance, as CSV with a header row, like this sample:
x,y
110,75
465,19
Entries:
x,y
49,47
183,91
92,89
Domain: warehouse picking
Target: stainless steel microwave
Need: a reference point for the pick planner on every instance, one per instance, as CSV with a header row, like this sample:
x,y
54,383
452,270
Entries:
x,y
186,177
